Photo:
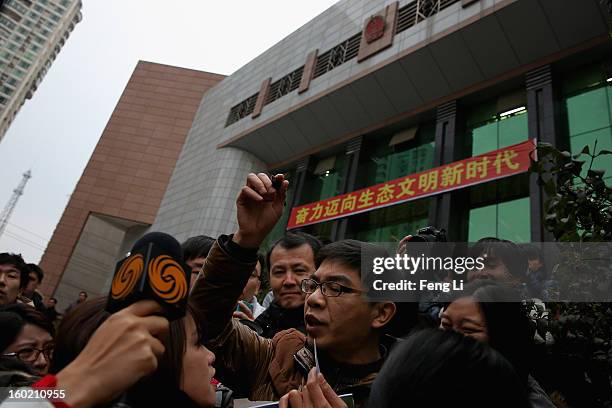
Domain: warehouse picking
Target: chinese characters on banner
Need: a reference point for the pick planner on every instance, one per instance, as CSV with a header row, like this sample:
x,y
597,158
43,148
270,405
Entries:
x,y
474,170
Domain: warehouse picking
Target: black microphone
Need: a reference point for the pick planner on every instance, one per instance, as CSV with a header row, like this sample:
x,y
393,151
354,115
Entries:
x,y
154,269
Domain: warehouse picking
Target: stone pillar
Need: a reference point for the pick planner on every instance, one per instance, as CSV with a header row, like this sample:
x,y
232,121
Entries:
x,y
350,174
449,210
541,125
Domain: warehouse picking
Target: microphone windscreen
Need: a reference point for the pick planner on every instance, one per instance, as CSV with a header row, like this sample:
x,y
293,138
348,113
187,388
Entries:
x,y
163,241
154,269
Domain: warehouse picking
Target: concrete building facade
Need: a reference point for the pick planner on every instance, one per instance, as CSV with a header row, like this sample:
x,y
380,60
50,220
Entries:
x,y
118,196
32,34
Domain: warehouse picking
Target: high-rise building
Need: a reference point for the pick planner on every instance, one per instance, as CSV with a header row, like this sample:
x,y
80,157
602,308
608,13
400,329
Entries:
x,y
32,33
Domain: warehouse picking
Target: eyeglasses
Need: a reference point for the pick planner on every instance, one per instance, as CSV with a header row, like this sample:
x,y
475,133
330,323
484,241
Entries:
x,y
30,354
329,289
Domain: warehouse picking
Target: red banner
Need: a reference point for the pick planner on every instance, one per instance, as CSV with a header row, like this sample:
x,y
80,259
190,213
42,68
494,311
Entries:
x,y
474,170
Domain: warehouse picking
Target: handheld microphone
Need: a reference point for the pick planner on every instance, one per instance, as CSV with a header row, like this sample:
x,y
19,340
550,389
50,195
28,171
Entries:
x,y
154,269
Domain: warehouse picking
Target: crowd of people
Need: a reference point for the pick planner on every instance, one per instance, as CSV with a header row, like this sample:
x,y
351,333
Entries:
x,y
314,340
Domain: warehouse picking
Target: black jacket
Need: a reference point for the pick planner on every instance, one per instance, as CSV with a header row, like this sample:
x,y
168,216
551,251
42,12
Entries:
x,y
276,319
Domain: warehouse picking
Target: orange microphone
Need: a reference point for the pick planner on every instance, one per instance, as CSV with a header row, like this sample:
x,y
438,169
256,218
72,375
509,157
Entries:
x,y
154,269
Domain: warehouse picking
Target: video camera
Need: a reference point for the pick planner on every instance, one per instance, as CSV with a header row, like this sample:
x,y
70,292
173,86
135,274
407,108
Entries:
x,y
429,234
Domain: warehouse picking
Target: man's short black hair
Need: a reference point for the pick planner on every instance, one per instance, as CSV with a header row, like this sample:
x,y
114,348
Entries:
x,y
53,299
197,247
83,292
38,271
293,240
475,374
346,252
17,261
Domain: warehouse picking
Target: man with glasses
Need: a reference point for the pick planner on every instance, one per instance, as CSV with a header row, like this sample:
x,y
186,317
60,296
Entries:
x,y
347,329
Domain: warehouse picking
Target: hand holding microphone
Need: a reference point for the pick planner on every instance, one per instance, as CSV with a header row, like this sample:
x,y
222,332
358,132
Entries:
x,y
122,350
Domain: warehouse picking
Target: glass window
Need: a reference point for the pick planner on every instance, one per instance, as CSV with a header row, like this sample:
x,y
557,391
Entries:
x,y
604,141
497,131
513,129
500,208
513,220
507,220
379,162
18,38
609,98
483,222
6,22
324,179
587,109
18,7
581,79
389,224
322,230
484,138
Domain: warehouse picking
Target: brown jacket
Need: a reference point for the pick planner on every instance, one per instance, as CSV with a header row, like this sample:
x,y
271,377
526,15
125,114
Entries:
x,y
259,368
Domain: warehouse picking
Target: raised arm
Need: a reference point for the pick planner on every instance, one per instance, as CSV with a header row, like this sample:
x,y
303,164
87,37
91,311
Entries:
x,y
226,271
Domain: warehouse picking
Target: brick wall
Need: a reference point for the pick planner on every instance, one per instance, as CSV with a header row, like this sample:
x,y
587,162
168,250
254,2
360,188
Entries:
x,y
128,172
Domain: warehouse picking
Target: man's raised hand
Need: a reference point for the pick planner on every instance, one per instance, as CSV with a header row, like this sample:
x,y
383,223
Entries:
x,y
259,206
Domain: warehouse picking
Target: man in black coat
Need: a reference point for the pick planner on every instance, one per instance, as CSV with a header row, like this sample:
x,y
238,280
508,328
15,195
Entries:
x,y
291,259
